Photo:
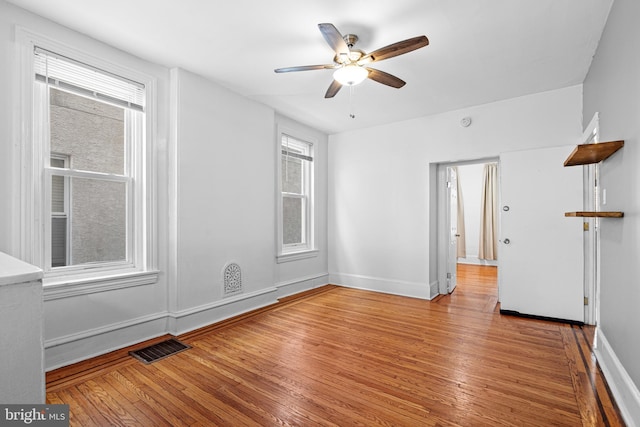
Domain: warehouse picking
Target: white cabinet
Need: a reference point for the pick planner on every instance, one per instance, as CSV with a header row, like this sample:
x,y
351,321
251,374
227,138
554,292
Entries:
x,y
21,332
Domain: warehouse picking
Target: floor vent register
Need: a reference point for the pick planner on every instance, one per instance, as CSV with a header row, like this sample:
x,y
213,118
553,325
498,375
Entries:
x,y
159,351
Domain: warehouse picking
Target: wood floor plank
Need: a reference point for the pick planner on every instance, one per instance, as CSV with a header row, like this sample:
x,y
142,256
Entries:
x,y
77,415
111,406
336,356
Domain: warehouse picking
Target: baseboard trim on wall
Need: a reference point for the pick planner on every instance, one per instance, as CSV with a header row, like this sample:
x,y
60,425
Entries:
x,y
301,284
69,349
72,348
624,391
434,289
378,284
474,260
193,318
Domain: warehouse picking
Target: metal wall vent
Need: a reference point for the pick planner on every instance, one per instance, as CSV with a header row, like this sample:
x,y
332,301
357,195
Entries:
x,y
155,352
232,279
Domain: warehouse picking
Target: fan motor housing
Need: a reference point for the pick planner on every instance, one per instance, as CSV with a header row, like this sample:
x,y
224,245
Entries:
x,y
354,54
350,40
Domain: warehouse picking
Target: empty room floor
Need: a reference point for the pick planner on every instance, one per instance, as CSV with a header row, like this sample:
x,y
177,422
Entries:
x,y
336,356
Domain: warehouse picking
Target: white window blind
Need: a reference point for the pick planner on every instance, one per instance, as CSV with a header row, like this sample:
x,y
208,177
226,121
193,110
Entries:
x,y
290,152
82,79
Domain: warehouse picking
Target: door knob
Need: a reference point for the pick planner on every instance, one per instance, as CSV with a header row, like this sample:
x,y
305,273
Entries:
x,y
506,241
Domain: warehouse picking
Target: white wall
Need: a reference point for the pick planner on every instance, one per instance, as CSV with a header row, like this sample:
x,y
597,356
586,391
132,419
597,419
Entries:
x,y
612,88
216,160
225,154
381,227
8,104
225,208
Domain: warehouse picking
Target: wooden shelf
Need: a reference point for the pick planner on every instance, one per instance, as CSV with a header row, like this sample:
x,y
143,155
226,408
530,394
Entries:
x,y
592,153
595,214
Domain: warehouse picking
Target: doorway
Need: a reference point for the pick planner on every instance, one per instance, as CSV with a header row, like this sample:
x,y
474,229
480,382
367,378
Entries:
x,y
460,223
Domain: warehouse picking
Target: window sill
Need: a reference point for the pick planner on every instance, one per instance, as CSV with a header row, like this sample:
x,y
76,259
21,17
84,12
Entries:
x,y
294,256
65,287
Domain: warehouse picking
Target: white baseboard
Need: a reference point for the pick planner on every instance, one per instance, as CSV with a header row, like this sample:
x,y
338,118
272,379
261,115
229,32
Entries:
x,y
387,286
73,348
301,284
434,289
188,320
625,392
477,261
69,349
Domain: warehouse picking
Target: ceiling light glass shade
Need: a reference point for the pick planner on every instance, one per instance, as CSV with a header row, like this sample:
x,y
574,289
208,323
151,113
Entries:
x,y
350,75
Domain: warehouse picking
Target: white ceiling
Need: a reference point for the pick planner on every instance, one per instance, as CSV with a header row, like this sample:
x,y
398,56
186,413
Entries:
x,y
480,50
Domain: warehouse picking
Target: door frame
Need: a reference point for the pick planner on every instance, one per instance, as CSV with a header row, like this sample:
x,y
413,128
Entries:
x,y
591,245
443,219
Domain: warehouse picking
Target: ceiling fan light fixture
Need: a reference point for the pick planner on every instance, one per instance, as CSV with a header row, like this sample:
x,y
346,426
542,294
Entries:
x,y
350,75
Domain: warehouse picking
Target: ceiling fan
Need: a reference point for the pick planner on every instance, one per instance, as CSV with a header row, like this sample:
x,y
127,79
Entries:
x,y
349,63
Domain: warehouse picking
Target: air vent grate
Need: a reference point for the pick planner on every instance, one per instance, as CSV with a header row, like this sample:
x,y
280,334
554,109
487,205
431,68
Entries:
x,y
159,351
232,279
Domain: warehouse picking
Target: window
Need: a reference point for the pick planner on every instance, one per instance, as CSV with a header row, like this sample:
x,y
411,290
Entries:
x,y
89,182
87,200
59,212
296,202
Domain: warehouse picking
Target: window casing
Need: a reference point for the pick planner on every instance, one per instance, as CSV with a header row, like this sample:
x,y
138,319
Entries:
x,y
295,213
87,200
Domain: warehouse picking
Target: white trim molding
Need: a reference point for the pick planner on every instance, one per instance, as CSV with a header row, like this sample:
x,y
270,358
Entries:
x,y
379,284
434,290
72,348
72,288
301,284
69,349
474,260
625,392
183,321
294,256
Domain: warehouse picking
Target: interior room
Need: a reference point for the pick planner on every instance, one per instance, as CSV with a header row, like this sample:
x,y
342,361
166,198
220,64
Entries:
x,y
206,173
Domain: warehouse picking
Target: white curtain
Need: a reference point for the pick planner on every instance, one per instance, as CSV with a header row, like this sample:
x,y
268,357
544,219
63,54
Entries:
x,y
489,214
462,242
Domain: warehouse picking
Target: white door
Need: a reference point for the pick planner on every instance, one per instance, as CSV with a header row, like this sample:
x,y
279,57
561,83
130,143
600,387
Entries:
x,y
541,260
452,228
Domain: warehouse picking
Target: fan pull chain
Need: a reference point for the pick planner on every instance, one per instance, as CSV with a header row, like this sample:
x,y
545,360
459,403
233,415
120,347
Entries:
x,y
352,109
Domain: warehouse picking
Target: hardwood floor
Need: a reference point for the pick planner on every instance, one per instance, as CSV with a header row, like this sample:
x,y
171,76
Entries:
x,y
344,357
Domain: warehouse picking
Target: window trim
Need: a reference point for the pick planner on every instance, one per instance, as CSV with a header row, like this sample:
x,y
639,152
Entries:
x,y
33,178
293,252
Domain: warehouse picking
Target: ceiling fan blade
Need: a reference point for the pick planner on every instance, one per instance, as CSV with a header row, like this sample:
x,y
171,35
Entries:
x,y
305,68
385,78
334,87
395,49
334,38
